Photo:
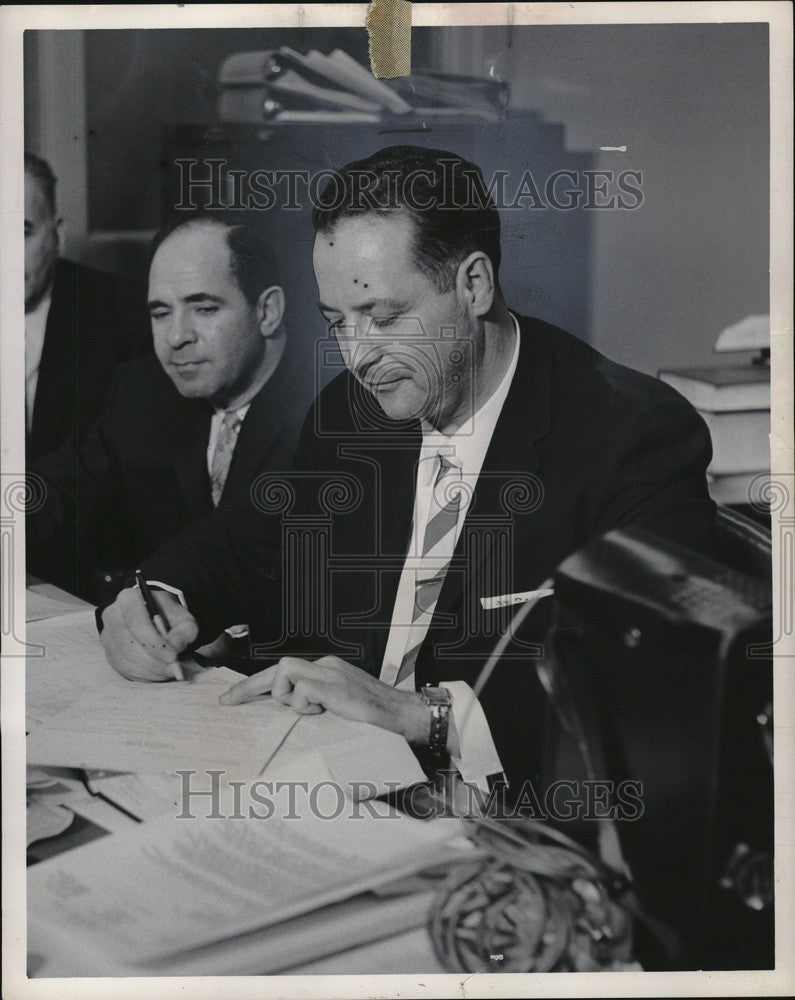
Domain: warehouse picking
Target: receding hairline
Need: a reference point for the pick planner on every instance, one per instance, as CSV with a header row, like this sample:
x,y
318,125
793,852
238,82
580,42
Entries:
x,y
207,222
197,224
252,264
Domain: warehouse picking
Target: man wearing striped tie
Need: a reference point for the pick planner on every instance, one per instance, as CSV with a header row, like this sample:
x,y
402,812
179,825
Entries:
x,y
187,427
462,456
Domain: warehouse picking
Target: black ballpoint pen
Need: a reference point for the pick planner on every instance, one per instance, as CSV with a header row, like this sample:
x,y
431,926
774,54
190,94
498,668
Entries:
x,y
159,620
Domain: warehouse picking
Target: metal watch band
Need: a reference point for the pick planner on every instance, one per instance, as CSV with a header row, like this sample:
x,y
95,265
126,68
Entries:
x,y
439,700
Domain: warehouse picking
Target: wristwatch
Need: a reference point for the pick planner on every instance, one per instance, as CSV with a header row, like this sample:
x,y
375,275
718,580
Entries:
x,y
440,701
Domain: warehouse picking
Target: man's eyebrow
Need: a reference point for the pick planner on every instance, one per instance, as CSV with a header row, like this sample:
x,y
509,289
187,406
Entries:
x,y
203,297
366,306
195,297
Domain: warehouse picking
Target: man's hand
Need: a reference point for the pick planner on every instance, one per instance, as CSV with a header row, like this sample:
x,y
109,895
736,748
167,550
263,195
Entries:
x,y
133,646
339,687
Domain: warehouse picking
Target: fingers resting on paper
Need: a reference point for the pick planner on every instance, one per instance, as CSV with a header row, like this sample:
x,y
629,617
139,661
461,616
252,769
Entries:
x,y
291,681
331,684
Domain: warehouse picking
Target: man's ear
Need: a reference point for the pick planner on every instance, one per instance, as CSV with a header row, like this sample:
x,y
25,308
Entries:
x,y
60,235
476,283
270,310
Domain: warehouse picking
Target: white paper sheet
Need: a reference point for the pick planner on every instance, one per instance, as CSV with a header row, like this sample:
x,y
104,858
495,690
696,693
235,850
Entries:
x,y
72,664
365,918
39,606
163,727
145,796
175,884
364,760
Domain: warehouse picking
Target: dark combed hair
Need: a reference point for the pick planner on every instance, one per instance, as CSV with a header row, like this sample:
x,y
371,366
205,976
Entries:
x,y
42,172
253,263
444,195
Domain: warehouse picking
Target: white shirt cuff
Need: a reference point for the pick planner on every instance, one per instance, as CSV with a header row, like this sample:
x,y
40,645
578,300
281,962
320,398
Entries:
x,y
234,631
171,590
478,757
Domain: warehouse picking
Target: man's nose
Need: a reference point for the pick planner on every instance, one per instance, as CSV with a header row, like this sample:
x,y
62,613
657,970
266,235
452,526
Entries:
x,y
181,330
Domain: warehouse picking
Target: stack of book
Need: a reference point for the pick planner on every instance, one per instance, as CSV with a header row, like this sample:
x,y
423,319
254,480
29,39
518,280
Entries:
x,y
734,401
282,85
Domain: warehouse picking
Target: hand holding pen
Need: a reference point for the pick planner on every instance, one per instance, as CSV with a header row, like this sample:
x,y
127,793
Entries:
x,y
158,619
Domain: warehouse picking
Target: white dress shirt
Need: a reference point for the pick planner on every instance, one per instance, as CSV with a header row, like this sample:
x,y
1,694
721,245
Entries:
x,y
35,328
467,449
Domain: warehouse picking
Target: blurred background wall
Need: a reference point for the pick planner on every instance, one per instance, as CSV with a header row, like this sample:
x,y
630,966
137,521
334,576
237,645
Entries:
x,y
689,102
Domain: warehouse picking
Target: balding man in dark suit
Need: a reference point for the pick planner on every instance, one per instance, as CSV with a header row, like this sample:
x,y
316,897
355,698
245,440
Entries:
x,y
80,325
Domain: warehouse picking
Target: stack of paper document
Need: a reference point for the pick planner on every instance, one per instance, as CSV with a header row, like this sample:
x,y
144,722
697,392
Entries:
x,y
80,713
153,727
272,825
144,897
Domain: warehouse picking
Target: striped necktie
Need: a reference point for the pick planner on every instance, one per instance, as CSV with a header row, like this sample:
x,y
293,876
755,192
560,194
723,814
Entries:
x,y
222,456
438,546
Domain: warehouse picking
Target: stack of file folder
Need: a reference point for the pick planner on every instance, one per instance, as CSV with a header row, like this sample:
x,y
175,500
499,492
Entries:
x,y
282,85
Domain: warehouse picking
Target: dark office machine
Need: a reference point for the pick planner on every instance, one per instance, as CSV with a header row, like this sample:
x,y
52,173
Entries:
x,y
668,657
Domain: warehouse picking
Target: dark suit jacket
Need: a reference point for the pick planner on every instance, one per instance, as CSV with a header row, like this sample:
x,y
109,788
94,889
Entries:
x,y
95,323
140,475
582,445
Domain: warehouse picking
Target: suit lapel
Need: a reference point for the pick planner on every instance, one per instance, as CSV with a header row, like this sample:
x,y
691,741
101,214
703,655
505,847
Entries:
x,y
507,483
191,435
56,386
378,532
258,435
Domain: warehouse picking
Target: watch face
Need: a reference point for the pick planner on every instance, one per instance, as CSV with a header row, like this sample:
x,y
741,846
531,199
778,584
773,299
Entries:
x,y
438,696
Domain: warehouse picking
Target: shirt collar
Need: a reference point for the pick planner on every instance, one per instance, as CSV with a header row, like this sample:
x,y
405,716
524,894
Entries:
x,y
241,412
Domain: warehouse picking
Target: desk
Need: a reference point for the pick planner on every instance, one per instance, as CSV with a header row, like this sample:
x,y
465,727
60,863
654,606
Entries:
x,y
403,947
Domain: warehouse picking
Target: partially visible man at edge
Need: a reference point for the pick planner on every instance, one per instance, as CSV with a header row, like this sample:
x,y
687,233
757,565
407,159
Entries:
x,y
190,428
479,448
80,324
